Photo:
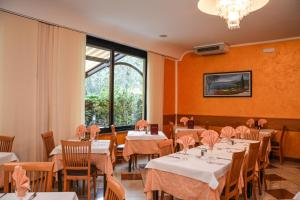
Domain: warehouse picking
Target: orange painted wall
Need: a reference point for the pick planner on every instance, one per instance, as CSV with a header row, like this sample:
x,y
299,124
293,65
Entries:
x,y
169,87
275,76
275,84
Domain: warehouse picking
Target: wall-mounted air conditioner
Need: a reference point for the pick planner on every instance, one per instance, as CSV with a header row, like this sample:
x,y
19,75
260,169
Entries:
x,y
211,49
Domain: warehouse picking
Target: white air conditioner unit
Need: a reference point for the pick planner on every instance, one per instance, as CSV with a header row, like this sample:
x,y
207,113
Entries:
x,y
211,49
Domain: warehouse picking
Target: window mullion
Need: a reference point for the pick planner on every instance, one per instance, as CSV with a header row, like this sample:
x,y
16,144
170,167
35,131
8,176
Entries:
x,y
111,87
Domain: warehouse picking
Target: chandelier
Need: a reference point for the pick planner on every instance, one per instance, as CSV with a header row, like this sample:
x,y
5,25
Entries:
x,y
232,11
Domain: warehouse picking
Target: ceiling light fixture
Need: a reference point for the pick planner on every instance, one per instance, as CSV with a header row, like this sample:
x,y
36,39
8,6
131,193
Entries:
x,y
232,11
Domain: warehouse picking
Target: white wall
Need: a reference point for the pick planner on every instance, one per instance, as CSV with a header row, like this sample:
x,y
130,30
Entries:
x,y
155,89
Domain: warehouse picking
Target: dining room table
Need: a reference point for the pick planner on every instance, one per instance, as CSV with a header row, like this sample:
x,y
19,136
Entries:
x,y
198,173
100,157
41,196
180,131
141,142
6,157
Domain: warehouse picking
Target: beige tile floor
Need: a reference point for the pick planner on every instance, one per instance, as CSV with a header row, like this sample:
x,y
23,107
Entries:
x,y
288,178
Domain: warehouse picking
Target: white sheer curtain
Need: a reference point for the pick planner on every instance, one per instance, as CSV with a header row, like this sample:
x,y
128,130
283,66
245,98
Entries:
x,y
155,88
18,53
60,81
41,82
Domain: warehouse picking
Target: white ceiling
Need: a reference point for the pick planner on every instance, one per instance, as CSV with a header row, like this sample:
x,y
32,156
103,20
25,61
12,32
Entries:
x,y
139,23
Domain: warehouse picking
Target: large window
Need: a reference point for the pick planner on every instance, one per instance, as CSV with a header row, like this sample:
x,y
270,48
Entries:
x,y
115,84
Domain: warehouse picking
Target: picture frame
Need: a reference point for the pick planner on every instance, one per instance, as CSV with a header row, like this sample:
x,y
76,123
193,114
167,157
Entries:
x,y
228,84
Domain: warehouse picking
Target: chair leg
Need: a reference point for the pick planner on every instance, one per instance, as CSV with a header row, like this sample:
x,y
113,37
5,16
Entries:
x,y
162,195
236,197
65,185
245,190
259,184
280,156
83,187
94,184
89,189
253,189
77,184
135,162
265,182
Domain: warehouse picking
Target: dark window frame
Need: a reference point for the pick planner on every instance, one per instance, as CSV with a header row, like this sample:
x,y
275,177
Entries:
x,y
116,47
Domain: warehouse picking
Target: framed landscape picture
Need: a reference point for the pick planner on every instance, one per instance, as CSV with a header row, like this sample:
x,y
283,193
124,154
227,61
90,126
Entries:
x,y
228,84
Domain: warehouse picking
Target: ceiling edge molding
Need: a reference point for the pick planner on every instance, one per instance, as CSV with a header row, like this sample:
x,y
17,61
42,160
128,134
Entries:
x,y
185,53
266,41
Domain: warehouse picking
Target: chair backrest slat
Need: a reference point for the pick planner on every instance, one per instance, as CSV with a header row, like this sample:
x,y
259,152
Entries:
x,y
6,143
114,191
282,135
40,175
263,149
231,187
76,155
48,141
251,158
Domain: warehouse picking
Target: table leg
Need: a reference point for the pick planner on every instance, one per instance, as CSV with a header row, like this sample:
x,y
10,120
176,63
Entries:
x,y
59,181
104,184
129,164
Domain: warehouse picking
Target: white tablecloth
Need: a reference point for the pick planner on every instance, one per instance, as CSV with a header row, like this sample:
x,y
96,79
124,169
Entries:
x,y
98,146
43,196
207,168
142,135
7,157
297,196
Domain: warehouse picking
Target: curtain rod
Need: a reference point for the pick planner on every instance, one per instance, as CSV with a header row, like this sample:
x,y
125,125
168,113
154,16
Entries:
x,y
40,20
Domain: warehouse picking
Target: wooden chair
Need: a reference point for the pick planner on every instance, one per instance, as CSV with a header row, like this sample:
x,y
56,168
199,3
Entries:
x,y
169,130
249,169
165,147
262,163
253,134
48,141
114,191
6,143
40,175
277,147
112,148
139,124
231,189
77,163
119,147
